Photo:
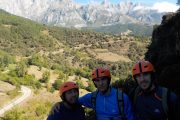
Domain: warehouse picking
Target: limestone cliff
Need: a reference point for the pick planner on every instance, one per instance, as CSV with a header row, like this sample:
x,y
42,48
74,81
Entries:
x,y
164,51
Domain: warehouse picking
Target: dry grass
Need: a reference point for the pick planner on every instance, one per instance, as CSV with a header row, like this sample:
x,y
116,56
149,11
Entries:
x,y
105,55
34,70
45,32
19,58
57,52
82,92
4,88
53,76
42,95
111,57
101,50
83,80
7,26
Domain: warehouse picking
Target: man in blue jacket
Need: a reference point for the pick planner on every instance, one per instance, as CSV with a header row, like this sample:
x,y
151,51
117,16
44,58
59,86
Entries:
x,y
152,102
68,109
106,103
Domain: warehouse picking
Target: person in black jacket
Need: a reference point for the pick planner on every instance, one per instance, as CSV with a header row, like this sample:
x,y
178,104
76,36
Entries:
x,y
68,109
152,102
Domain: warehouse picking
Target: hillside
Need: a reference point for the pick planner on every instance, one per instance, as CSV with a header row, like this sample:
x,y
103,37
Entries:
x,y
42,57
17,34
136,29
24,38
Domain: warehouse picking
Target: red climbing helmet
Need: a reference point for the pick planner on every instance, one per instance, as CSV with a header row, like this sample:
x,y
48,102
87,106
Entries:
x,y
100,72
67,86
142,67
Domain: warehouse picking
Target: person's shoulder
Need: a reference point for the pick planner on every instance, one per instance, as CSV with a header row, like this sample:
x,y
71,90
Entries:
x,y
87,95
56,108
55,111
168,90
173,96
170,93
114,90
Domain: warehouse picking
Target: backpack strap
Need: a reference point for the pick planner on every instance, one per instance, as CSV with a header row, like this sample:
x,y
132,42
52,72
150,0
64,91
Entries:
x,y
120,99
136,92
165,100
93,99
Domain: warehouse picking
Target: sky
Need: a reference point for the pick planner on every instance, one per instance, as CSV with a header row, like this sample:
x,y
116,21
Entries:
x,y
160,5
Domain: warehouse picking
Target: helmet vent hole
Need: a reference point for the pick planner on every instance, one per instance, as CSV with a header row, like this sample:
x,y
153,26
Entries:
x,y
102,72
145,66
65,86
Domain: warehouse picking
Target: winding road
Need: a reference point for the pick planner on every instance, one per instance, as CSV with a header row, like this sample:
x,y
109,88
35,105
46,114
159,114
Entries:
x,y
26,93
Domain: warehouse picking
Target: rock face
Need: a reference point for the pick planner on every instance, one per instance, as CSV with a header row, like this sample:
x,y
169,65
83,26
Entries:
x,y
164,51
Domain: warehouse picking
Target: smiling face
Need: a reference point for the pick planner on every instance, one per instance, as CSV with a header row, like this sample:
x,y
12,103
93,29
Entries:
x,y
102,84
144,80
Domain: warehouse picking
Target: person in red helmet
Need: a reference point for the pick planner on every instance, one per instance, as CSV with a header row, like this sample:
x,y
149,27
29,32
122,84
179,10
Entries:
x,y
151,102
109,103
68,109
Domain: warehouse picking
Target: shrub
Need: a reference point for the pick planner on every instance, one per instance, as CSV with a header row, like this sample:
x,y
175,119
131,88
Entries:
x,y
91,86
57,84
45,77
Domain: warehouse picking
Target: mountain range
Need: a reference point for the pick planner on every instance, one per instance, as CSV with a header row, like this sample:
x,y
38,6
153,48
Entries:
x,y
67,13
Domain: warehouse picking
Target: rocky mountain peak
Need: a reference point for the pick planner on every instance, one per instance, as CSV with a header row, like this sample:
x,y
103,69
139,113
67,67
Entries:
x,y
67,13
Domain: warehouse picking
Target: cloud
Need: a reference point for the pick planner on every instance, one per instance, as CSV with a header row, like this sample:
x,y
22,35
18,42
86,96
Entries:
x,y
165,7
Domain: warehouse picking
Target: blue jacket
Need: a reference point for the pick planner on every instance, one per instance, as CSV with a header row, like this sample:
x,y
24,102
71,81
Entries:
x,y
60,112
107,106
148,106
